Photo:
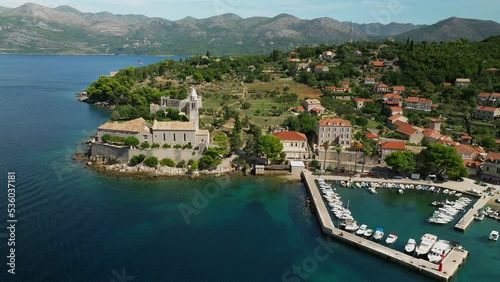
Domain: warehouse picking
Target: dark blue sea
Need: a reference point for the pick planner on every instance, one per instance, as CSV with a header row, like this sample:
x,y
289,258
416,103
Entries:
x,y
77,225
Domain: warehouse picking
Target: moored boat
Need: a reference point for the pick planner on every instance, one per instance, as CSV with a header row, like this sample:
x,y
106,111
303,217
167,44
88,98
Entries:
x,y
372,190
361,230
379,233
493,235
439,251
410,245
391,238
400,191
426,243
368,233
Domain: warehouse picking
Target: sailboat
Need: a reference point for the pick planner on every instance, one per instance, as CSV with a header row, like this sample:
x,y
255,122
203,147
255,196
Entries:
x,y
140,62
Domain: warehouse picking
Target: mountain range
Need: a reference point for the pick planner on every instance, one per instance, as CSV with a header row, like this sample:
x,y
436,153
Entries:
x,y
33,28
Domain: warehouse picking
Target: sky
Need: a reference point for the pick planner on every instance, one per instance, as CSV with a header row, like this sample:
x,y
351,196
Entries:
x,y
358,11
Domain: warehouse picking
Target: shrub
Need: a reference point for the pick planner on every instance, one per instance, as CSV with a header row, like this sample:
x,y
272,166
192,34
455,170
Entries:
x,y
167,162
105,138
187,146
145,145
131,141
137,159
181,164
178,146
155,146
151,162
166,146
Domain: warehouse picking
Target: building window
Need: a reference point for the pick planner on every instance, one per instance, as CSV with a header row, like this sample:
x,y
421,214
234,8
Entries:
x,y
174,136
145,137
184,137
164,137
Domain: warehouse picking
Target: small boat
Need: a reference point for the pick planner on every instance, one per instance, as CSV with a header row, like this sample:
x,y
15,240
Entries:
x,y
379,233
458,194
400,191
357,185
446,191
362,229
410,246
439,251
426,243
391,238
452,192
352,226
343,183
493,235
348,184
372,190
438,220
479,216
320,180
368,233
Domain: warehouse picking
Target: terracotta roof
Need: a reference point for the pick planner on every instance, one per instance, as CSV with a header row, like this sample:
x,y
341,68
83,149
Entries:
x,y
466,149
446,84
371,135
497,141
299,108
395,117
392,102
472,164
431,133
394,145
400,123
292,53
416,91
174,125
412,100
290,135
334,122
312,101
465,137
378,63
398,88
396,109
393,96
319,67
381,85
406,130
486,109
447,142
488,95
135,125
493,156
436,120
316,110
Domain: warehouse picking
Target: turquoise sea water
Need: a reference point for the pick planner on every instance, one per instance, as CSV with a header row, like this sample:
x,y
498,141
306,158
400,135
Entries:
x,y
77,225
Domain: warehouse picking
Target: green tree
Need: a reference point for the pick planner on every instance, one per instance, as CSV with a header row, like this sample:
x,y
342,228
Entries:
x,y
246,106
131,141
271,146
194,165
105,138
489,143
167,162
235,141
402,161
442,160
221,140
151,162
145,145
181,164
155,146
135,160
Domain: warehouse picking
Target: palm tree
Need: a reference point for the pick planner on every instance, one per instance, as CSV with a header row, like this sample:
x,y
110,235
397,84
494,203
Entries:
x,y
325,146
338,149
356,144
368,151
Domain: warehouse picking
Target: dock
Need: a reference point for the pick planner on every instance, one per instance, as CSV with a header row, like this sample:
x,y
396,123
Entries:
x,y
450,265
468,218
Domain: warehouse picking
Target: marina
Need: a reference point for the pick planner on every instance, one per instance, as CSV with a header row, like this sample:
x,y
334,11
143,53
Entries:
x,y
443,271
468,218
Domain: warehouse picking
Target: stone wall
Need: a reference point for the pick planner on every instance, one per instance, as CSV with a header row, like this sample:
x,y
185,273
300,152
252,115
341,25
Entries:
x,y
126,154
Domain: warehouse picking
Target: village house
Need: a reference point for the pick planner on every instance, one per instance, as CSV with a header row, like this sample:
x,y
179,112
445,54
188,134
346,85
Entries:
x,y
303,66
379,64
433,136
398,89
392,99
371,135
396,110
313,106
488,99
294,144
393,121
321,68
137,128
327,55
465,138
369,81
472,156
446,84
360,102
419,104
382,88
491,168
389,147
486,113
342,89
464,82
335,130
411,133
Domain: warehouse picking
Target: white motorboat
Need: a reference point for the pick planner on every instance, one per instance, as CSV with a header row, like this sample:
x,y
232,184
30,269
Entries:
x,y
372,190
426,243
410,245
400,191
438,220
320,180
368,233
361,230
446,191
479,216
358,185
391,238
493,235
452,192
379,233
348,184
439,251
352,226
343,183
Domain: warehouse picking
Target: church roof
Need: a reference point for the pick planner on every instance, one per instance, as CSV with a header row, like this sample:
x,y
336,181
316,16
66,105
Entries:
x,y
136,125
174,125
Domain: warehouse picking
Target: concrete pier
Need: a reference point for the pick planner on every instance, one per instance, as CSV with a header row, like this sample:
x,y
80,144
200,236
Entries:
x,y
468,218
450,264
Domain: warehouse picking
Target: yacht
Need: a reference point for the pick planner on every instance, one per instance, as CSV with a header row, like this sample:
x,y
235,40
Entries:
x,y
410,246
479,216
361,229
400,191
391,238
494,235
426,243
372,190
439,251
379,233
438,220
351,226
368,233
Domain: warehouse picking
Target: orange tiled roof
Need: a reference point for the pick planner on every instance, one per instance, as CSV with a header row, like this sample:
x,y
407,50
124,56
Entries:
x,y
371,135
381,85
465,149
334,121
394,145
486,109
396,109
319,67
290,135
406,130
412,100
393,96
493,156
395,117
378,63
398,88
